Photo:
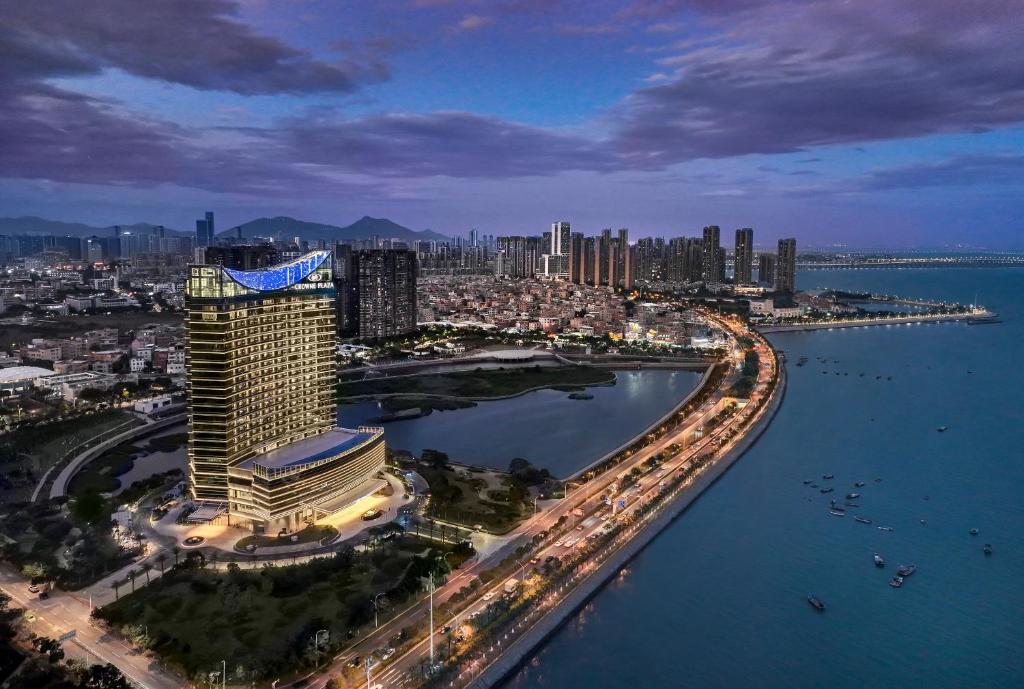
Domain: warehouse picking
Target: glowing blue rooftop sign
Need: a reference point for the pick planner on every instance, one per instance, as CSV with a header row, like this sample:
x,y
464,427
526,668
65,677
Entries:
x,y
280,276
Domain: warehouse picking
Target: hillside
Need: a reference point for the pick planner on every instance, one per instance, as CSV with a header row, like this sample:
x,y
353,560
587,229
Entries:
x,y
33,225
283,227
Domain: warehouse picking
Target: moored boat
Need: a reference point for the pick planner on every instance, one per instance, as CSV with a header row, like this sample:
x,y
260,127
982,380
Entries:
x,y
852,496
837,512
886,528
987,549
906,570
879,561
896,581
816,603
862,520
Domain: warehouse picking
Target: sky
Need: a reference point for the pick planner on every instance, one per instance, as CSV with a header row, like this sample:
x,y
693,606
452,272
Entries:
x,y
865,123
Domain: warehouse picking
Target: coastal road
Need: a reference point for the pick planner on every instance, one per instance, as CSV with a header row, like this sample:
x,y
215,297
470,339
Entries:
x,y
589,498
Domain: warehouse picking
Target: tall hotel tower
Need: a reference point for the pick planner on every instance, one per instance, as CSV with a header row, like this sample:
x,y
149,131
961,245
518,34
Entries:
x,y
261,376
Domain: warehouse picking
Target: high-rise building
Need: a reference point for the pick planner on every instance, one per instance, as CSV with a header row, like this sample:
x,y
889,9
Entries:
x,y
560,239
346,289
720,264
743,261
712,242
785,266
261,372
577,258
766,269
205,230
387,291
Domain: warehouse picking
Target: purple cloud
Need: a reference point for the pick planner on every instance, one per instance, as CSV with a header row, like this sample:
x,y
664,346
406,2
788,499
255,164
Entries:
x,y
198,43
780,77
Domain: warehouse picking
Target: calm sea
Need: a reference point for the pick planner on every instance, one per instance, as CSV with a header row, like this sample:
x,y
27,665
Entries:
x,y
718,600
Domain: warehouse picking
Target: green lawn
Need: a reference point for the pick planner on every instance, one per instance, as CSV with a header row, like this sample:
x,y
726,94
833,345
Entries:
x,y
307,535
481,382
458,500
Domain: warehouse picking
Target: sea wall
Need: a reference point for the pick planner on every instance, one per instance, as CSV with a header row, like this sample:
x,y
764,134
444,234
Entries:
x,y
520,650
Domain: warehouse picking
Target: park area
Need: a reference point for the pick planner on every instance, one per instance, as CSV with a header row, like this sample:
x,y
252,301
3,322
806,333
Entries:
x,y
481,383
101,474
264,620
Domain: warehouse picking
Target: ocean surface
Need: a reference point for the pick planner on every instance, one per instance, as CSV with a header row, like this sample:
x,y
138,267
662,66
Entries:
x,y
544,426
718,599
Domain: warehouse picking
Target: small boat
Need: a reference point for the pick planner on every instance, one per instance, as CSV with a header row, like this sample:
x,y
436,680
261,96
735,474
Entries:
x,y
814,485
862,520
837,513
807,481
878,480
879,561
828,476
896,581
886,528
852,504
906,570
974,532
924,521
859,484
826,490
942,429
852,496
984,320
816,603
987,549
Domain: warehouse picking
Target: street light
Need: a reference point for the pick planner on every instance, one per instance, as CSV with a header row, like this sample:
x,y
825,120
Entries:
x,y
376,624
316,644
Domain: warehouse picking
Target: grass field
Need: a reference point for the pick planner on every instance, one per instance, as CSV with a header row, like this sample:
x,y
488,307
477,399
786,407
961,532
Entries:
x,y
472,500
481,382
307,535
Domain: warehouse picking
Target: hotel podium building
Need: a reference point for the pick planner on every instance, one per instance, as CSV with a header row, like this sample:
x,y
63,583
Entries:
x,y
261,377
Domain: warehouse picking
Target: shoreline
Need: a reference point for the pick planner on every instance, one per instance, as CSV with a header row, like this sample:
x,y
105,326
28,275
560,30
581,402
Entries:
x,y
521,649
866,322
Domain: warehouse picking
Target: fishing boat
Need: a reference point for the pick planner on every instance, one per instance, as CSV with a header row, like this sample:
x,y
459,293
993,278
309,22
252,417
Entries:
x,y
987,549
859,484
828,476
862,520
827,490
852,496
886,528
906,570
974,532
879,561
942,429
896,581
836,512
816,603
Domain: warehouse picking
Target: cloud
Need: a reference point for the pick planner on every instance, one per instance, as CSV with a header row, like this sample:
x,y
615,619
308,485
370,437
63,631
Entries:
x,y
197,43
454,144
788,76
472,22
959,171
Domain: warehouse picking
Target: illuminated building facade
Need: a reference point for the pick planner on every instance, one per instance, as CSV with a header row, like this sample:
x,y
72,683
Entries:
x,y
261,378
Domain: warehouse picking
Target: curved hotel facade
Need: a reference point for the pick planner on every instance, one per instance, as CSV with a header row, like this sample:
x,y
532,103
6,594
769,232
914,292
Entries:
x,y
263,444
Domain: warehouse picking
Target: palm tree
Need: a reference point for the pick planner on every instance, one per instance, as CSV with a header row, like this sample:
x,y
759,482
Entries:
x,y
147,568
116,585
131,576
162,559
214,556
177,551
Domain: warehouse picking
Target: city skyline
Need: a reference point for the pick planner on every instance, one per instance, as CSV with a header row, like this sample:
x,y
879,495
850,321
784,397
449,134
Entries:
x,y
657,116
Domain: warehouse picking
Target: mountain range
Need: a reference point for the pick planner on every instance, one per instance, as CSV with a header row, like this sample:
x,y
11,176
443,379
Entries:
x,y
283,227
280,227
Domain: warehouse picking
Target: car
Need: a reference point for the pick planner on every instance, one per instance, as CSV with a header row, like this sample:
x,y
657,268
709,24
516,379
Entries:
x,y
356,660
489,595
32,588
387,653
534,560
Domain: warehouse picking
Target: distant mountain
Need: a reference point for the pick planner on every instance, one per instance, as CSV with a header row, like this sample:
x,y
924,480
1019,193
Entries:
x,y
33,225
283,227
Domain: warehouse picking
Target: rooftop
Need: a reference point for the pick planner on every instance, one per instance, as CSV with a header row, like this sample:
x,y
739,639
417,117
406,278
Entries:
x,y
308,450
16,374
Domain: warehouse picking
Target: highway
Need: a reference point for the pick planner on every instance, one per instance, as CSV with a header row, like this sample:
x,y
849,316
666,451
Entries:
x,y
405,669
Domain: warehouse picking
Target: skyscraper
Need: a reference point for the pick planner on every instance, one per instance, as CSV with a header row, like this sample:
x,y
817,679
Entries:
x,y
712,242
577,259
785,266
766,269
205,230
260,375
743,262
387,291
